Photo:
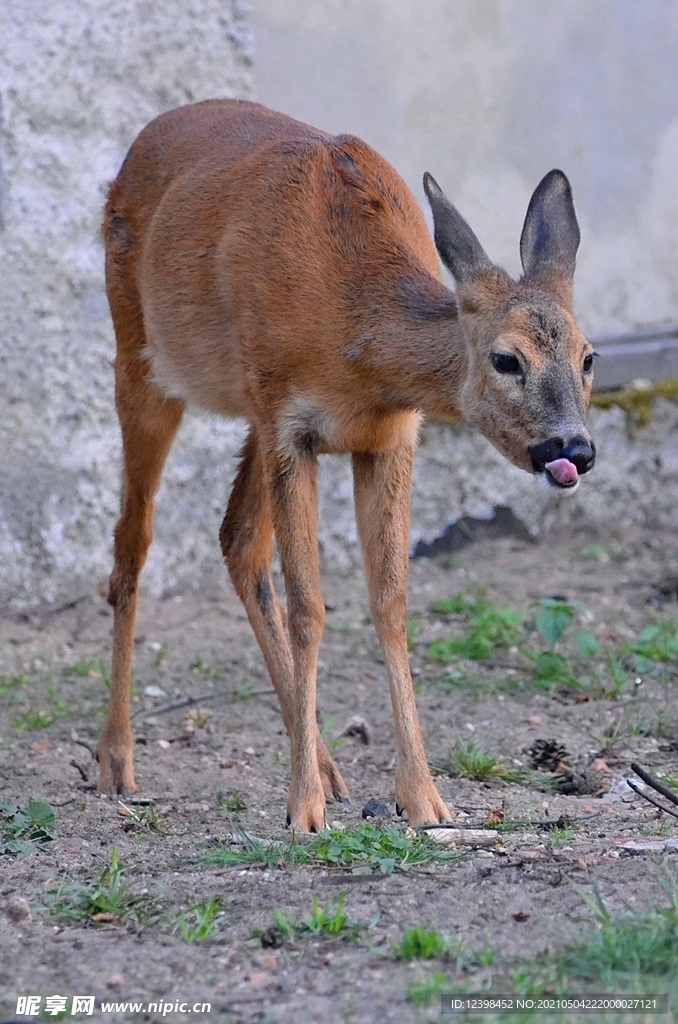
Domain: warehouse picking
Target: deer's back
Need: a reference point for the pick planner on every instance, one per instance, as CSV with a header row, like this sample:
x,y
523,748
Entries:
x,y
260,249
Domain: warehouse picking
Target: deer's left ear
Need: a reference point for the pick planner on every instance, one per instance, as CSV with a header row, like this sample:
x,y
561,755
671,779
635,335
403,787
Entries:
x,y
550,238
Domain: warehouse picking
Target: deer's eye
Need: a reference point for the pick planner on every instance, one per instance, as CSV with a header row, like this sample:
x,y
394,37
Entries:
x,y
588,363
504,363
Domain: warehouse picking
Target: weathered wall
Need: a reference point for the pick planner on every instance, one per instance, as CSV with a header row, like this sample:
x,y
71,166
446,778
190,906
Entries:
x,y
488,94
77,83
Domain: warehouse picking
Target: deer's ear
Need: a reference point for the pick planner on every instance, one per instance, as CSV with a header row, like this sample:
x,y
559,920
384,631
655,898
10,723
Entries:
x,y
459,249
550,238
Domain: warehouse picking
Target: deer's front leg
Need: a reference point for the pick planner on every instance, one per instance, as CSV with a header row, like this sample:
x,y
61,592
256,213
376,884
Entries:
x,y
382,488
295,515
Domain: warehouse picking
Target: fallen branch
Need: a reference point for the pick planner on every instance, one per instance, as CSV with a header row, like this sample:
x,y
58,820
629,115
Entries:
x,y
184,702
650,799
655,784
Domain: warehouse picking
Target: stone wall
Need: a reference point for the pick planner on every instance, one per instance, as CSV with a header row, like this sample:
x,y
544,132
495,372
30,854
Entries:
x,y
444,91
77,83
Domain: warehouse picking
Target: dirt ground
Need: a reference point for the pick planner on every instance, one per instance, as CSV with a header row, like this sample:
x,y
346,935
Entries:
x,y
231,741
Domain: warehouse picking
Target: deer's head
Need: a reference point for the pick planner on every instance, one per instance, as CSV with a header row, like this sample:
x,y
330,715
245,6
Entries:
x,y
530,369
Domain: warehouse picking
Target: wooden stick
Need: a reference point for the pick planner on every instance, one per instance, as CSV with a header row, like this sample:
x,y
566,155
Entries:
x,y
655,784
650,799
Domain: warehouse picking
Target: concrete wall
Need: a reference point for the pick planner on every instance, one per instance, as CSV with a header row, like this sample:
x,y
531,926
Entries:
x,y
487,94
77,83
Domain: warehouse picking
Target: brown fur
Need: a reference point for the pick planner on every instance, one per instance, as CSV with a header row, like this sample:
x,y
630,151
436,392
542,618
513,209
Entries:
x,y
260,268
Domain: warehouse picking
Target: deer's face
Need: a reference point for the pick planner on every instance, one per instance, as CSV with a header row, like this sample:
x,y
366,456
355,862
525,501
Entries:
x,y
530,369
530,374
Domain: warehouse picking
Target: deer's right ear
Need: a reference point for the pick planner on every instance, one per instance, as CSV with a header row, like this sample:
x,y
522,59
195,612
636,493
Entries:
x,y
459,249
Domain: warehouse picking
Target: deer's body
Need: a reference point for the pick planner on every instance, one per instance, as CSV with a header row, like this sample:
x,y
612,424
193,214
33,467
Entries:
x,y
259,268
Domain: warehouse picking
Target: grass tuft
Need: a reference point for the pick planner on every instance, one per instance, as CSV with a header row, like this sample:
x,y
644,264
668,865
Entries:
x,y
22,828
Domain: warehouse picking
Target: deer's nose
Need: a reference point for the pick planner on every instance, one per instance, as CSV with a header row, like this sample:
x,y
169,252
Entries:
x,y
580,452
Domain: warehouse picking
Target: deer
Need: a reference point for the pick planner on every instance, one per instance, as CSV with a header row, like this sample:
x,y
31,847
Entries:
x,y
263,269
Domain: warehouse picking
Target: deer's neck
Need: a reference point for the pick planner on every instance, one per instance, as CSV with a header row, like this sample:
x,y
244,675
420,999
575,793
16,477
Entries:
x,y
419,350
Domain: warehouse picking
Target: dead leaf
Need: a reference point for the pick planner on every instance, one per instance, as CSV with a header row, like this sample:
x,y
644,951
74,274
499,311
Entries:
x,y
599,765
535,720
495,817
521,916
107,917
258,977
44,745
581,698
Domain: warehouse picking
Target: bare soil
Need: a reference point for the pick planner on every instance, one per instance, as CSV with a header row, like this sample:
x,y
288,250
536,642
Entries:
x,y
232,741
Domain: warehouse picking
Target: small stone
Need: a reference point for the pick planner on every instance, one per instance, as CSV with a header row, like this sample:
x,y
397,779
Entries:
x,y
18,909
375,809
599,765
115,981
535,720
164,744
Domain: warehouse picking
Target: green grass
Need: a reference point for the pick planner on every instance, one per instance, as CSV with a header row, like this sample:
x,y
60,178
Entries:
x,y
10,685
419,943
201,922
105,901
232,803
630,952
320,922
471,761
326,729
147,819
22,828
95,668
50,711
371,848
251,851
489,628
364,850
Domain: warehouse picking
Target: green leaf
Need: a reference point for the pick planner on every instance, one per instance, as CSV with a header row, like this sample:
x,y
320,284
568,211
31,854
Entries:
x,y
586,643
554,618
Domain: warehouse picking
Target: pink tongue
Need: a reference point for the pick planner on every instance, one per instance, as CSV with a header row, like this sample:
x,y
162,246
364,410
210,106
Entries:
x,y
563,471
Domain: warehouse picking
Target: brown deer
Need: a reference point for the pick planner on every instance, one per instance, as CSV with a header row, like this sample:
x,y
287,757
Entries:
x,y
263,269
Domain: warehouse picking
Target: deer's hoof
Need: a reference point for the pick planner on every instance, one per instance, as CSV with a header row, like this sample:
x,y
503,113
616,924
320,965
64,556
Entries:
x,y
116,772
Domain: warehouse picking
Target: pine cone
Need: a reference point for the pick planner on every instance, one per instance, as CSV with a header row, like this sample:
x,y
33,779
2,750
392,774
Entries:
x,y
548,755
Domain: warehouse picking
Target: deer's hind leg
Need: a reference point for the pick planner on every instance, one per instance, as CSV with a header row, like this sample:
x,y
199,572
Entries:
x,y
247,543
149,424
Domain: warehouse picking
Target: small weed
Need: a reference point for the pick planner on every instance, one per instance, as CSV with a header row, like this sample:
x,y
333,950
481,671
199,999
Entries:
x,y
370,848
22,828
108,900
96,668
244,692
320,922
327,726
201,922
160,656
489,628
232,803
204,669
9,685
198,717
470,761
363,850
33,718
561,836
413,631
148,818
656,644
254,852
423,991
421,943
627,945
